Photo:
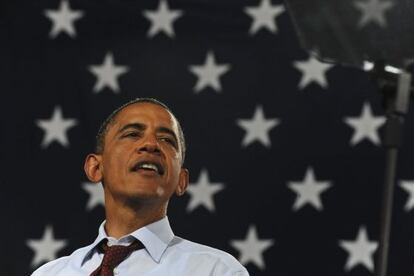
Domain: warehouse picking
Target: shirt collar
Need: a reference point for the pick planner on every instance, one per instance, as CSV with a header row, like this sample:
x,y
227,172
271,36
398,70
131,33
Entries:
x,y
155,237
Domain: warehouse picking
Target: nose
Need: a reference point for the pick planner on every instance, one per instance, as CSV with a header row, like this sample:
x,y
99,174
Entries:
x,y
149,145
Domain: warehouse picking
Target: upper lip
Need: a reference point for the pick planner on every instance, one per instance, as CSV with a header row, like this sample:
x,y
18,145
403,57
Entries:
x,y
156,163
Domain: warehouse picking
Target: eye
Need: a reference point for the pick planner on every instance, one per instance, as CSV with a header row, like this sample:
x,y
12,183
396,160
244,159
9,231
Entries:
x,y
132,134
166,139
169,140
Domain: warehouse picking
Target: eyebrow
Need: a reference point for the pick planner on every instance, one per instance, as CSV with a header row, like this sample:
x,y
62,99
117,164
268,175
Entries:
x,y
141,127
137,126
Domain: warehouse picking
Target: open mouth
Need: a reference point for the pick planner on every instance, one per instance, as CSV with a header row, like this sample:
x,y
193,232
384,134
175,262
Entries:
x,y
148,166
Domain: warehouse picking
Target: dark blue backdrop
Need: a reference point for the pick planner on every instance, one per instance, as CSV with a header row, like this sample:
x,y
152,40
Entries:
x,y
286,167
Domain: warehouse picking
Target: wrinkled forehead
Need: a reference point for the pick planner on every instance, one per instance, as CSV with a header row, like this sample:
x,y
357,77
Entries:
x,y
145,113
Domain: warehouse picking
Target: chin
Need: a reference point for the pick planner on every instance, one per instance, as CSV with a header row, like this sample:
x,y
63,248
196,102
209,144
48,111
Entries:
x,y
137,201
143,196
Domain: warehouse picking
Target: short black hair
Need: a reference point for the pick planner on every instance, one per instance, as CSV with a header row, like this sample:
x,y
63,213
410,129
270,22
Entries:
x,y
100,137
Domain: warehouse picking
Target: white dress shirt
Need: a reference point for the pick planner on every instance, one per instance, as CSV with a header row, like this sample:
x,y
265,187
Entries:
x,y
164,255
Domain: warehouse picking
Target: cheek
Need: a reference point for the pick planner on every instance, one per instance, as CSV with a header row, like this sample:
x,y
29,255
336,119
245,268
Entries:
x,y
115,160
176,163
175,155
174,166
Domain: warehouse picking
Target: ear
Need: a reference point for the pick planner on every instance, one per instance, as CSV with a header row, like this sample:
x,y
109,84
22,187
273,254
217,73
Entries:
x,y
93,167
182,182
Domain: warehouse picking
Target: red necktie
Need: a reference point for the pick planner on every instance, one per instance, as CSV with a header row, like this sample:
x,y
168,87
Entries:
x,y
113,256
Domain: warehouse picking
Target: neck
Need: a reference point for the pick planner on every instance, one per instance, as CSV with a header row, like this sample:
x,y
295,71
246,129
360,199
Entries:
x,y
126,217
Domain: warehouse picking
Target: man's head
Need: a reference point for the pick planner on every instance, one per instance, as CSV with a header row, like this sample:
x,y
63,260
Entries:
x,y
139,154
100,137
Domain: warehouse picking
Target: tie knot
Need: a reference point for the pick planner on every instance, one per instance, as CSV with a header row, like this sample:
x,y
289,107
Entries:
x,y
115,254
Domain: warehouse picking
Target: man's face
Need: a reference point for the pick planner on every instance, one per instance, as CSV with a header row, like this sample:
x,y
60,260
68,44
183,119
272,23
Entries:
x,y
141,157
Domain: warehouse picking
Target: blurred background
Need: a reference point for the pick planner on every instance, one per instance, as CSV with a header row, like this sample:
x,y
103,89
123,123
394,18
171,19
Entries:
x,y
286,165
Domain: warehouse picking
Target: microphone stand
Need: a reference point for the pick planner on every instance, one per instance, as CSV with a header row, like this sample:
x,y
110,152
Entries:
x,y
396,88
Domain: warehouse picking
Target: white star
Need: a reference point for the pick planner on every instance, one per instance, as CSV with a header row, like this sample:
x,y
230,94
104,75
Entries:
x,y
408,186
251,249
46,248
208,74
309,191
55,128
162,19
264,16
96,194
107,74
373,11
257,128
63,19
202,192
360,251
312,71
365,126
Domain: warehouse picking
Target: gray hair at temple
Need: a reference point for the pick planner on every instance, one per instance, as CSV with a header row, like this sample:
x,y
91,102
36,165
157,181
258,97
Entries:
x,y
100,137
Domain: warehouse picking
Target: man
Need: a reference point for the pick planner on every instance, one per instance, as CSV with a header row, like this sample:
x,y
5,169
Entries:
x,y
139,160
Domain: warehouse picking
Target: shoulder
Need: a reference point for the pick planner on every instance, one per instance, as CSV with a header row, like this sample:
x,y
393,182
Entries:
x,y
60,264
195,248
221,261
52,268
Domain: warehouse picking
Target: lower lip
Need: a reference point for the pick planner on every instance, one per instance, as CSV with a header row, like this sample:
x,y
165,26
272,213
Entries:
x,y
147,172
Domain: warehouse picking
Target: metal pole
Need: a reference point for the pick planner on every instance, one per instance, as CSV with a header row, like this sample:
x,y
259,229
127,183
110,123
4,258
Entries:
x,y
386,214
397,107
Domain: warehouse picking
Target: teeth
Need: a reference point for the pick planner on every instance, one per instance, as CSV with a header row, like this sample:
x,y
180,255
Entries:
x,y
149,166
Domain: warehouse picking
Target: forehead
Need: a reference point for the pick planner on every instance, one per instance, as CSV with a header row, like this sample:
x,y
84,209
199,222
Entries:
x,y
145,113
